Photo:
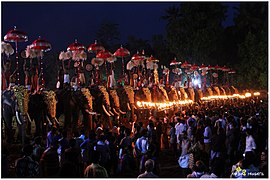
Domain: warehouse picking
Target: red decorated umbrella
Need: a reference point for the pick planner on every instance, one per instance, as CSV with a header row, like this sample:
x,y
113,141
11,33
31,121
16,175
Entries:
x,y
104,55
76,47
185,65
174,62
95,48
16,36
42,46
194,67
218,67
225,69
203,67
232,71
210,67
122,52
137,57
152,59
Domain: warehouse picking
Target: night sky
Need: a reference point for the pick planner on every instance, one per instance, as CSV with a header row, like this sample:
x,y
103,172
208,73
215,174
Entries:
x,y
62,22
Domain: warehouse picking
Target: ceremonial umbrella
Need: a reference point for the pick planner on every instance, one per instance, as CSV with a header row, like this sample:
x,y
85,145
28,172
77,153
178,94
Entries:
x,y
194,67
76,49
95,48
217,67
16,36
185,65
174,62
122,52
105,55
203,67
41,46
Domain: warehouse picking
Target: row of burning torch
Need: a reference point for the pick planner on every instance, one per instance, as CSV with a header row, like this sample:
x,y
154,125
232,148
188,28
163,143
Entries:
x,y
168,105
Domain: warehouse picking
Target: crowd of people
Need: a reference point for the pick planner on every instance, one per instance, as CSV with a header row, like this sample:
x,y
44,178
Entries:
x,y
217,139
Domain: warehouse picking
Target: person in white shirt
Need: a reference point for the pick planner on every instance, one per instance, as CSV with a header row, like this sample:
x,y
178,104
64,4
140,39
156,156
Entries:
x,y
250,142
179,128
207,135
141,147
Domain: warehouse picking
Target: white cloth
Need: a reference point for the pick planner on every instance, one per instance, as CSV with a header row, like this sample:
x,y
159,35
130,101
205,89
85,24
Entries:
x,y
66,78
250,143
179,128
142,144
207,135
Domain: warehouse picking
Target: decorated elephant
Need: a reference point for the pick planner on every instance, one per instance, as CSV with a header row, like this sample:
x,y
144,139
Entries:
x,y
216,90
115,104
183,93
172,93
42,110
102,105
126,95
209,91
159,94
15,103
72,102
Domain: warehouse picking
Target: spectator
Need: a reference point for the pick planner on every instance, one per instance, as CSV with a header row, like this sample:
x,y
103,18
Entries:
x,y
73,155
88,147
263,166
37,149
250,142
172,135
198,170
149,166
26,167
207,135
49,162
104,152
95,170
141,148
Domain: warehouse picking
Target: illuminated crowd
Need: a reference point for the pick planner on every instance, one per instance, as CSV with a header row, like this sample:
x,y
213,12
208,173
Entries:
x,y
225,138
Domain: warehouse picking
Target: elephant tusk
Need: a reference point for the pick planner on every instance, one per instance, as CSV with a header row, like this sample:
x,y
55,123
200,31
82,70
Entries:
x,y
56,120
115,112
135,107
122,112
18,117
128,106
29,117
111,113
104,109
91,112
48,119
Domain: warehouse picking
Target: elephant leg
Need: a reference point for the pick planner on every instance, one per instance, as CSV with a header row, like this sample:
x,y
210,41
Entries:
x,y
67,123
75,120
38,123
21,129
28,127
7,116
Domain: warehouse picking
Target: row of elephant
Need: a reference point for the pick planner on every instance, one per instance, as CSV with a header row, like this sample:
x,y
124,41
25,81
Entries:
x,y
97,104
